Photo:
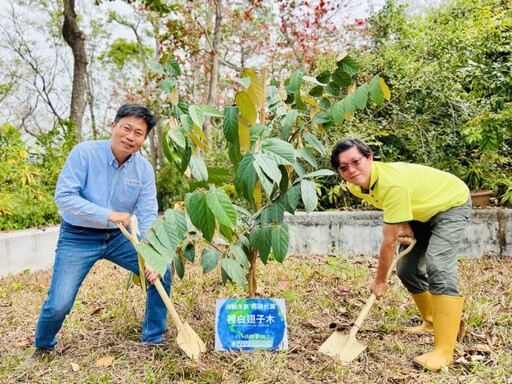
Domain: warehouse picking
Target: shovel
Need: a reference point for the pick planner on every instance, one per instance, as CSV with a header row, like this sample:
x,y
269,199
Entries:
x,y
188,340
347,348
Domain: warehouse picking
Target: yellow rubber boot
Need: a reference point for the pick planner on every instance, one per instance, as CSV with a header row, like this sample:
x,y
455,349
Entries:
x,y
424,303
447,313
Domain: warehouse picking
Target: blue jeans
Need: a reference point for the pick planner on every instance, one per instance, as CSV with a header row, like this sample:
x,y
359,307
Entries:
x,y
432,263
78,249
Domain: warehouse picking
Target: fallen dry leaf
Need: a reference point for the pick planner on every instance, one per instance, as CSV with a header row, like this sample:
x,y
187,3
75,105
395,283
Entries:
x,y
105,361
75,367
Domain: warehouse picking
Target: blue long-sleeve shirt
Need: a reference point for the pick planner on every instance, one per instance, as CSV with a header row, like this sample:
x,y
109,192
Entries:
x,y
92,185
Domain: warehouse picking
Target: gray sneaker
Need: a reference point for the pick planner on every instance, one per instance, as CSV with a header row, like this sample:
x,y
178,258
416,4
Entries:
x,y
39,355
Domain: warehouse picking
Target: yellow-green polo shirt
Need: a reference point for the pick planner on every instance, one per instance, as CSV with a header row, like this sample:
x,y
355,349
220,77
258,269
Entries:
x,y
408,192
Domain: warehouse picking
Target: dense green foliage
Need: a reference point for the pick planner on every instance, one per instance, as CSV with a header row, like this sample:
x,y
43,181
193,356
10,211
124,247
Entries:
x,y
450,74
28,175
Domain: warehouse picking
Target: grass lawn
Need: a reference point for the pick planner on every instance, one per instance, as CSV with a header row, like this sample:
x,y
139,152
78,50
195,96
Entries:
x,y
323,293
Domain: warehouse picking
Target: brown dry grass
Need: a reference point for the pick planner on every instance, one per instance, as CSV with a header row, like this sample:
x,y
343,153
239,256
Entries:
x,y
322,293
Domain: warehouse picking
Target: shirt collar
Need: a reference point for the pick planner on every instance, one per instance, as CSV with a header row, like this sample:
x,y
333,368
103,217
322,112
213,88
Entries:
x,y
374,175
111,158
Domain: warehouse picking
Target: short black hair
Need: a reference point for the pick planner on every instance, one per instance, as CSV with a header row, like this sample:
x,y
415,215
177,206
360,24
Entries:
x,y
138,111
345,145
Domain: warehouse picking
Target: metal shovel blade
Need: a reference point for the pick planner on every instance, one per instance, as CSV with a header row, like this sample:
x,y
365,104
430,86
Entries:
x,y
342,346
190,342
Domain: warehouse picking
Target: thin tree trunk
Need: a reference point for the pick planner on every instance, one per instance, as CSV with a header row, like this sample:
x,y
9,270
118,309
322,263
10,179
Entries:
x,y
76,40
214,74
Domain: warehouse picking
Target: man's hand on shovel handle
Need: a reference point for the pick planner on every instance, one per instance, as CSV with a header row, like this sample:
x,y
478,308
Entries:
x,y
151,275
121,217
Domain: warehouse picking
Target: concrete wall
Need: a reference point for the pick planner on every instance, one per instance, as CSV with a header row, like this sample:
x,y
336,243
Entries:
x,y
490,231
32,249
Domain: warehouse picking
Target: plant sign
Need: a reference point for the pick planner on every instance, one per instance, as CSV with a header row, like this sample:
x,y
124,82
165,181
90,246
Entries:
x,y
250,324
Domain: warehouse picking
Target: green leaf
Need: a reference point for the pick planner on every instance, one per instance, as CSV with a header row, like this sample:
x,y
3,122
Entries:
x,y
376,92
309,196
317,91
306,155
234,271
261,239
209,259
240,256
333,89
227,232
221,206
177,219
285,180
348,65
324,103
173,67
320,172
157,246
324,77
315,143
341,78
167,84
361,96
246,177
208,110
281,151
156,67
337,112
200,215
178,137
161,233
296,81
268,166
276,211
219,175
152,258
291,199
178,266
230,124
267,184
280,240
189,251
288,121
196,114
198,168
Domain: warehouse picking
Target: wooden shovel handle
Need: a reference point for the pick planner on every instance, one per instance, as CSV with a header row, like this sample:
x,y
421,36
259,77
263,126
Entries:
x,y
369,304
158,284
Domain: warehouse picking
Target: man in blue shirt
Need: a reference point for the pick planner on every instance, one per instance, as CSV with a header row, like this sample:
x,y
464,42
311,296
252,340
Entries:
x,y
103,183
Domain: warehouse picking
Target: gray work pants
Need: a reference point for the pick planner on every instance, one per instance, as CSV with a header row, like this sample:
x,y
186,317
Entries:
x,y
432,263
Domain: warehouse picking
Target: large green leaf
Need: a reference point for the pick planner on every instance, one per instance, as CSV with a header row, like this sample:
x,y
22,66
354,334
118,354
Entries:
x,y
230,124
240,256
376,92
317,91
198,168
291,198
177,219
315,143
158,247
200,215
209,259
221,206
178,137
161,233
173,67
280,240
361,96
306,155
196,114
296,81
266,183
246,177
167,85
152,258
234,271
309,196
287,122
341,78
189,251
281,151
324,77
269,166
219,175
227,232
208,110
155,66
337,112
178,266
261,239
348,65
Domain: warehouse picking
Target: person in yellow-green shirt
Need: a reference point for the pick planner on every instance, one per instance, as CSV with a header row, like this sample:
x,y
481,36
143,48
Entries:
x,y
433,207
